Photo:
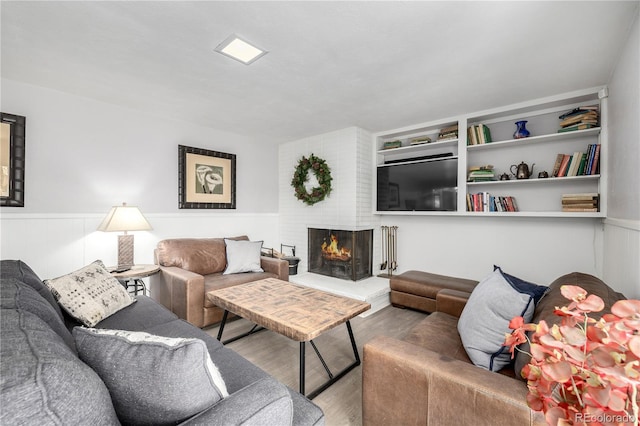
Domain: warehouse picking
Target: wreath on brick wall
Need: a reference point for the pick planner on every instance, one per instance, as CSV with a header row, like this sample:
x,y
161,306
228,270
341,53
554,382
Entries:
x,y
301,175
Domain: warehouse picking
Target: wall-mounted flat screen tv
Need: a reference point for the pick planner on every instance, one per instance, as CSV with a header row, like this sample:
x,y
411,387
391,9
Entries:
x,y
421,185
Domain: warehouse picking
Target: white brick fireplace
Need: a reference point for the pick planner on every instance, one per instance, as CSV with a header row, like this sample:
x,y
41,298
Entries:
x,y
349,154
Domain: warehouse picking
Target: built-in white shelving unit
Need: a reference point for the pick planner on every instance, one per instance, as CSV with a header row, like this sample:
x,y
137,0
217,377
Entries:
x,y
431,178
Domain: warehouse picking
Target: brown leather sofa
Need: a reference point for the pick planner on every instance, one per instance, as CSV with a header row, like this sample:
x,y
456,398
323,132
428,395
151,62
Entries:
x,y
191,267
426,377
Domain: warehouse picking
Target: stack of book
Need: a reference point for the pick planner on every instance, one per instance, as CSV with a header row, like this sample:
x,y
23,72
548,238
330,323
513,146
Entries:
x,y
420,140
392,144
584,117
478,134
485,202
481,174
578,163
587,202
450,132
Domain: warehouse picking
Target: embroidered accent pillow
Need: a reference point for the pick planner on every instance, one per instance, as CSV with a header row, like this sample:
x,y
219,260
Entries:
x,y
90,294
152,379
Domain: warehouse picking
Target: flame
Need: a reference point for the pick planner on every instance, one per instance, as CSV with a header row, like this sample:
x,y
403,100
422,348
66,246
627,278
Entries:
x,y
333,252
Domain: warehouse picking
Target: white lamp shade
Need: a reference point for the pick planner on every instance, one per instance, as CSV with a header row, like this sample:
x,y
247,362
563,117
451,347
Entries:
x,y
124,218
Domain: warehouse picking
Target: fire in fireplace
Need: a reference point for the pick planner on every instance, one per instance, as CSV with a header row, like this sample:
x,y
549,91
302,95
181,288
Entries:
x,y
341,253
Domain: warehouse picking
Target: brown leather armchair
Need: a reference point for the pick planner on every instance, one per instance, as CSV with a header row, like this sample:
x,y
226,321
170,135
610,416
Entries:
x,y
191,267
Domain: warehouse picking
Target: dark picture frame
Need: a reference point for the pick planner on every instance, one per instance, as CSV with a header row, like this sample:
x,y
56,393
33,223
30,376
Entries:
x,y
206,179
12,159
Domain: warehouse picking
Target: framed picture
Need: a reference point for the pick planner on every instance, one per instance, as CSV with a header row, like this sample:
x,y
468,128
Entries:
x,y
12,153
206,179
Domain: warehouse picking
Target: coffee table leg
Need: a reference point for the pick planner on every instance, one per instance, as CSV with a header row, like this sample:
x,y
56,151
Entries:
x,y
302,367
332,378
222,323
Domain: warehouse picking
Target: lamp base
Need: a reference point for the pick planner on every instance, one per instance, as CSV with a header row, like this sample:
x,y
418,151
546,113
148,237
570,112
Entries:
x,y
125,250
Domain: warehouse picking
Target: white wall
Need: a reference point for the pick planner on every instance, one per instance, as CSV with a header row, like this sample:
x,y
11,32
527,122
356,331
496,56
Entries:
x,y
622,227
534,249
84,156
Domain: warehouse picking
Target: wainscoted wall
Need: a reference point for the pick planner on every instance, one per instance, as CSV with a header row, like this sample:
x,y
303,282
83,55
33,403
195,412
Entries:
x,y
55,244
534,249
622,256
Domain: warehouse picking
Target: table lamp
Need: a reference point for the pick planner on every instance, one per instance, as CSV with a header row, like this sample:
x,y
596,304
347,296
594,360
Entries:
x,y
124,218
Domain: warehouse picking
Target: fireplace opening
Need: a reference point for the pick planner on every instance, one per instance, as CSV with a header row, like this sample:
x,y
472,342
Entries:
x,y
340,253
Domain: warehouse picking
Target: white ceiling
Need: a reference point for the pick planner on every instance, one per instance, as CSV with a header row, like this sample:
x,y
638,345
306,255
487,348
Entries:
x,y
376,65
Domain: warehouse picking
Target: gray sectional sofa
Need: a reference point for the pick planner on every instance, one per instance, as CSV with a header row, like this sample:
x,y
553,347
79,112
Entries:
x,y
44,381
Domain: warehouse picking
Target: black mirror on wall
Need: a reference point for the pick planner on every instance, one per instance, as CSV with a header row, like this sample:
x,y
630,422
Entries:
x,y
12,153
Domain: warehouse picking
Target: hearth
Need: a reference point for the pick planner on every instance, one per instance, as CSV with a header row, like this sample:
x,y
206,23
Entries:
x,y
341,253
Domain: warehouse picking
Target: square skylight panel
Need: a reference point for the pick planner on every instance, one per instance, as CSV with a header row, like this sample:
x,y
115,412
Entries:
x,y
240,50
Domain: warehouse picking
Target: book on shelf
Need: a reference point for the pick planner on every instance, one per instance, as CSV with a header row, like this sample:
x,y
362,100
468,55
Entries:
x,y
563,166
579,110
450,132
485,202
583,202
582,126
481,173
478,134
577,164
595,163
580,118
392,144
556,166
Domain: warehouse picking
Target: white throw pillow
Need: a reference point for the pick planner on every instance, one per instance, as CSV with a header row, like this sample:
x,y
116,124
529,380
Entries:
x,y
90,294
243,256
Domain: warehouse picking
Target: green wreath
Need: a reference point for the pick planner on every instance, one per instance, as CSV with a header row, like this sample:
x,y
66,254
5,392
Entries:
x,y
301,176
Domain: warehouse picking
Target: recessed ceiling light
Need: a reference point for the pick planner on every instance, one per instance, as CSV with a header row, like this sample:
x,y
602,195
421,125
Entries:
x,y
240,50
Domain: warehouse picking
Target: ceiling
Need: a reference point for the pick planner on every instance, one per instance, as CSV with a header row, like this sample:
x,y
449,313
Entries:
x,y
377,65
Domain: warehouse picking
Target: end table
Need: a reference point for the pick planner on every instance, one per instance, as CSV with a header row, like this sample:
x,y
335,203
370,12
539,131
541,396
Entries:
x,y
133,277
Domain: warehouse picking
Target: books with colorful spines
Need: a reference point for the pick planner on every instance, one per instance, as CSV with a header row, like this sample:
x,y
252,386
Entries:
x,y
575,163
563,166
596,159
556,166
583,164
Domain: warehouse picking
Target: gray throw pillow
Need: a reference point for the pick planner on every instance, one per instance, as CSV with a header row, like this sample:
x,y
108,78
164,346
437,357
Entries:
x,y
42,381
90,294
152,379
243,256
485,318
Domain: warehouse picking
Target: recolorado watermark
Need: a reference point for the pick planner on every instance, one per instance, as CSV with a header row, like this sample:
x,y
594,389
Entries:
x,y
605,418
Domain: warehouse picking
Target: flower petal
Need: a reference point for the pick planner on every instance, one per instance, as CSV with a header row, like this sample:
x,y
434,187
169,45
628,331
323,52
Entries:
x,y
573,292
626,308
592,303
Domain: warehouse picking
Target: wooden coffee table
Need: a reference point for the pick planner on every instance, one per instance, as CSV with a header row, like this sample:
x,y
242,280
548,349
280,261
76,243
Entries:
x,y
297,312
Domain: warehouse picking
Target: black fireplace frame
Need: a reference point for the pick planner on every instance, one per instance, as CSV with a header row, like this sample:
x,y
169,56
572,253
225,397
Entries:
x,y
359,267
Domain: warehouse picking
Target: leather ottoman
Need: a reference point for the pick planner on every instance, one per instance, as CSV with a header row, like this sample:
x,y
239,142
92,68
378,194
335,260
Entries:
x,y
418,290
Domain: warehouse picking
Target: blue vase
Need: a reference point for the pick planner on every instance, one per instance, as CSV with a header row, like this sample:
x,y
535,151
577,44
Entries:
x,y
521,131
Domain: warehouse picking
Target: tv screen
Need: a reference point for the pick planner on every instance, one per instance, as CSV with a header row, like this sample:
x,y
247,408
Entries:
x,y
429,185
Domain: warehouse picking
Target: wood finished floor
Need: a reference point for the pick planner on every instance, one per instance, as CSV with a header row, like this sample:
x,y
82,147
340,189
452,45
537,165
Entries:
x,y
278,355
